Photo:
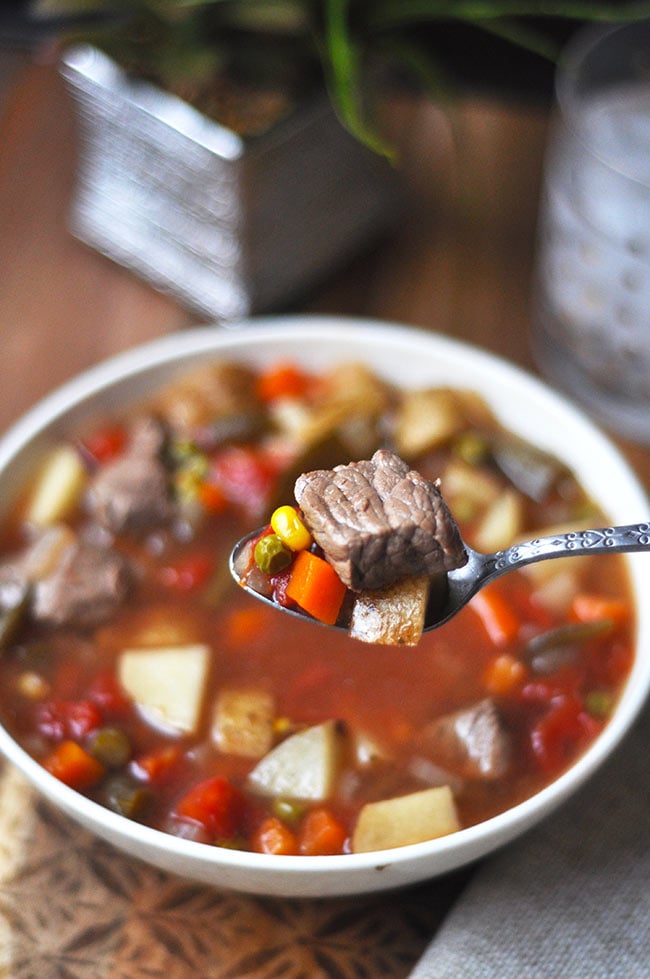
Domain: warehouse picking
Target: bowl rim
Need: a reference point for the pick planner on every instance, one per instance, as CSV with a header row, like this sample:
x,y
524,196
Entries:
x,y
247,336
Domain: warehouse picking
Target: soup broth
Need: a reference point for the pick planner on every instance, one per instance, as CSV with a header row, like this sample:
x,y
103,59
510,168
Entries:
x,y
168,693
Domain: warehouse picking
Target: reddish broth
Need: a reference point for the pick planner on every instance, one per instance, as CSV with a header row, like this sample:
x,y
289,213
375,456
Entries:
x,y
59,685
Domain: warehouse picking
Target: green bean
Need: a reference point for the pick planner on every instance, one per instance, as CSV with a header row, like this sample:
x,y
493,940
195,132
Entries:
x,y
571,633
13,615
126,797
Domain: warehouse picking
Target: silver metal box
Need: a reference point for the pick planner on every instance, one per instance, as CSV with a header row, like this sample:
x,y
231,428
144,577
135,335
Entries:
x,y
228,226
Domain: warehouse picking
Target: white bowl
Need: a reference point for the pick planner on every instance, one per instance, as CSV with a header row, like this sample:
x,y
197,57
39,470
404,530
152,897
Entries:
x,y
409,357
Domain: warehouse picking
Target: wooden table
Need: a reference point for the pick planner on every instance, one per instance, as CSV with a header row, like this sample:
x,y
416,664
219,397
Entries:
x,y
69,904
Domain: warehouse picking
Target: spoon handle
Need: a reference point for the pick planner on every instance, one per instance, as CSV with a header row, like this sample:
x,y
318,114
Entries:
x,y
606,540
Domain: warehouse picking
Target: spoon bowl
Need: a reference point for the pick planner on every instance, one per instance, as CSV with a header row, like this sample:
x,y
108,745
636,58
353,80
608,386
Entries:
x,y
480,569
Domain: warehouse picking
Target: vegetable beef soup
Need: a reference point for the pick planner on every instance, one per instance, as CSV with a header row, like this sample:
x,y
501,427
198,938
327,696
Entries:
x,y
136,671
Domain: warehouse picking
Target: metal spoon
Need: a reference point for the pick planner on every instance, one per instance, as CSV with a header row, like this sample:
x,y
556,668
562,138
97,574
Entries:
x,y
480,569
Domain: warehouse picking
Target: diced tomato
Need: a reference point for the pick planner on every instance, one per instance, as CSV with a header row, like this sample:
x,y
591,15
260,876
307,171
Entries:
x,y
58,719
244,475
71,764
188,573
322,833
285,380
280,583
105,443
155,766
274,836
562,730
216,804
567,681
106,691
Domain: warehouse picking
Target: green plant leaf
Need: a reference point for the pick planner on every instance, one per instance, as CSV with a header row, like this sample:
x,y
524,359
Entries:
x,y
344,76
522,36
266,16
341,40
399,13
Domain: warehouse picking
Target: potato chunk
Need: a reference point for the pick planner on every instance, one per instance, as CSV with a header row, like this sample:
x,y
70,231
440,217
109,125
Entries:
x,y
501,522
59,486
426,419
304,766
393,615
167,684
405,819
243,722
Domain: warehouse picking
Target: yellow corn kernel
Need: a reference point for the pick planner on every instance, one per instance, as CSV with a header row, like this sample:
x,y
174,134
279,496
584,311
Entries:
x,y
287,524
32,685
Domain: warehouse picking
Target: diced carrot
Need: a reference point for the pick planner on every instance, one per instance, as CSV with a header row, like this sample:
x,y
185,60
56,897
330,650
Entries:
x,y
71,764
211,498
315,586
285,380
246,625
504,674
154,766
591,607
274,836
321,833
497,615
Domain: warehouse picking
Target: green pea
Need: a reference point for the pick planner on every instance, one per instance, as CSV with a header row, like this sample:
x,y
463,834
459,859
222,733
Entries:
x,y
110,746
599,703
472,447
272,555
288,810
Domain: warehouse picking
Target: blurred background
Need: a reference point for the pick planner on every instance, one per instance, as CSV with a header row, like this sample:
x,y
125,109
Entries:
x,y
169,162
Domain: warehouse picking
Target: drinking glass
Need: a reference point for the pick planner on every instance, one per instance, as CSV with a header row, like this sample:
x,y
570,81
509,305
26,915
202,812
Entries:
x,y
591,302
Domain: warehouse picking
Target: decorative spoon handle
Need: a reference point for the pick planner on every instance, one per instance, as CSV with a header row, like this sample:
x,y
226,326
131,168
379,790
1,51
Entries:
x,y
606,540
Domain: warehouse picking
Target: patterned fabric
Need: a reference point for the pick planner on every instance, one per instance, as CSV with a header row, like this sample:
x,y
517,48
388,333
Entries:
x,y
72,906
571,899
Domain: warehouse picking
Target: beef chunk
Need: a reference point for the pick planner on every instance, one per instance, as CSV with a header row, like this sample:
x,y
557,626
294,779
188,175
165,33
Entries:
x,y
471,742
378,521
132,493
84,589
220,395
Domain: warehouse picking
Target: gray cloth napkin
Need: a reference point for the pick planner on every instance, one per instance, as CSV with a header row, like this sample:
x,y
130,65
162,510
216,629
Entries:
x,y
571,899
